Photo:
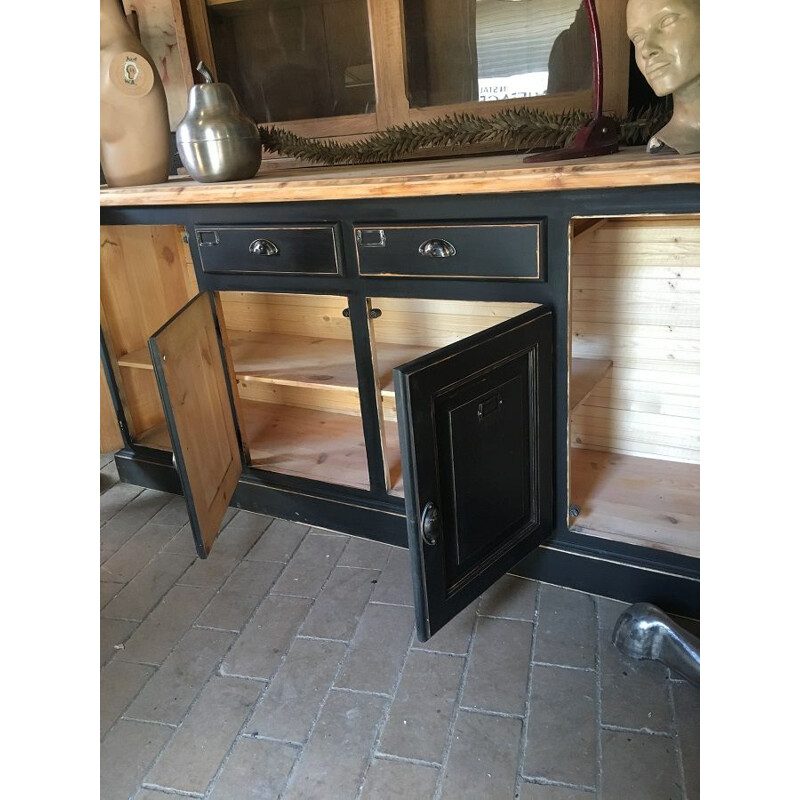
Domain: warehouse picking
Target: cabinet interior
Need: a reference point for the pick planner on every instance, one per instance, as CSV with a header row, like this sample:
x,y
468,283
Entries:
x,y
635,380
146,276
407,328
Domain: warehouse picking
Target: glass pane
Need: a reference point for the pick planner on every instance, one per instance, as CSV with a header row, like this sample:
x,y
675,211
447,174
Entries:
x,y
460,51
294,59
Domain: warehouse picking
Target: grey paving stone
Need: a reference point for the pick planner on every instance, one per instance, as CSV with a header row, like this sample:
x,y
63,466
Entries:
x,y
634,694
296,693
278,542
562,731
135,554
241,530
255,770
239,596
264,640
126,755
212,571
337,754
166,624
196,751
170,692
535,791
419,718
566,632
127,520
310,566
114,632
152,794
483,759
229,611
639,765
455,636
378,648
173,513
511,597
106,481
687,720
339,605
253,576
108,590
143,593
115,498
397,780
501,647
394,585
120,682
181,543
608,612
365,553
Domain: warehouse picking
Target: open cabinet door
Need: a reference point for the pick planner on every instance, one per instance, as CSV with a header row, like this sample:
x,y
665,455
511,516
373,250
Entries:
x,y
475,421
192,380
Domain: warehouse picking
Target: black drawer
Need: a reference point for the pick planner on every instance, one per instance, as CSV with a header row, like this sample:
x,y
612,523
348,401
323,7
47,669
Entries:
x,y
297,249
468,250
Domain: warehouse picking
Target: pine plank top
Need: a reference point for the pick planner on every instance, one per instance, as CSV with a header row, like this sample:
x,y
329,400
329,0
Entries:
x,y
284,182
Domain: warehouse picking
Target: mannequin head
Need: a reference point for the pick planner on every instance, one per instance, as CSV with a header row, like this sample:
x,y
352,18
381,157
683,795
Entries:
x,y
666,40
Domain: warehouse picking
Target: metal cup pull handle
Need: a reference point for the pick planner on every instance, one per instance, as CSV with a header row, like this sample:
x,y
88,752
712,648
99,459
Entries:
x,y
431,524
437,248
263,247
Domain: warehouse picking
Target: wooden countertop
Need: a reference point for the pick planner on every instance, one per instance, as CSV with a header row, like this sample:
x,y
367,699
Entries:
x,y
277,182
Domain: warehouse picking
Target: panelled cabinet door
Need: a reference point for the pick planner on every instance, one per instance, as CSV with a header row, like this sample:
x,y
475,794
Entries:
x,y
475,422
192,379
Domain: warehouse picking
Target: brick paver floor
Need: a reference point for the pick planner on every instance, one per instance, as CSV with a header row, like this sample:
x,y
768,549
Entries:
x,y
286,666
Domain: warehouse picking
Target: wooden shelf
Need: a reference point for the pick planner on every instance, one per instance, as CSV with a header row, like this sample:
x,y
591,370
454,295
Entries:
x,y
307,443
156,437
585,374
642,501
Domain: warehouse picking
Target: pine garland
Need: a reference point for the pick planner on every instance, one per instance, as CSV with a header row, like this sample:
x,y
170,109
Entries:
x,y
512,129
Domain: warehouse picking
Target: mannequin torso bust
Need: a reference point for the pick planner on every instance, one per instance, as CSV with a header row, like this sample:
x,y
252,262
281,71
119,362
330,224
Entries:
x,y
134,122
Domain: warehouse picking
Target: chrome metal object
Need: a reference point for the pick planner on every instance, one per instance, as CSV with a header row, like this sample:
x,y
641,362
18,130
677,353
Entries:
x,y
216,140
644,631
263,247
437,248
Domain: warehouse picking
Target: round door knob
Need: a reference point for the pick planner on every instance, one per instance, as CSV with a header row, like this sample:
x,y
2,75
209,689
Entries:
x,y
263,247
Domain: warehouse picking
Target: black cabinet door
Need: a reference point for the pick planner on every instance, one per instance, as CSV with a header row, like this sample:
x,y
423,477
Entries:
x,y
190,369
476,437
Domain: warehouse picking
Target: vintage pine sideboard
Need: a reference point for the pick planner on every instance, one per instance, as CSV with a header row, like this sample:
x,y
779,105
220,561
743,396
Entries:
x,y
493,364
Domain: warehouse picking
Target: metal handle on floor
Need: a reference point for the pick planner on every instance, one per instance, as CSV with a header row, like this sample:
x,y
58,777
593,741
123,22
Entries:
x,y
645,631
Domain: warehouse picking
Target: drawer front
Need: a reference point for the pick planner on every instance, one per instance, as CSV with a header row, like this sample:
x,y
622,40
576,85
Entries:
x,y
474,250
296,250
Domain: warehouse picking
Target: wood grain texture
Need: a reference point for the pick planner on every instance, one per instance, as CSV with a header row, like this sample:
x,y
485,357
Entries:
x,y
635,300
163,35
642,501
194,373
474,175
307,443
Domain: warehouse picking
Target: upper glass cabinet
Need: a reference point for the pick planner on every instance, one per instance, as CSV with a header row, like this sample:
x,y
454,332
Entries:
x,y
460,51
341,68
294,59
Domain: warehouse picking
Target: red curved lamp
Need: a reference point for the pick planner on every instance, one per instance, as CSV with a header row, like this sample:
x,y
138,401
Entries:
x,y
601,135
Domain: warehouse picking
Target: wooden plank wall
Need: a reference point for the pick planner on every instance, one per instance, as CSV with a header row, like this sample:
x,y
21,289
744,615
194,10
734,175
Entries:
x,y
636,300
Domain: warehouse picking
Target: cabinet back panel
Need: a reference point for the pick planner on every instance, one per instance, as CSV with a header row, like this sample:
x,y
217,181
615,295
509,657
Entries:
x,y
635,299
436,323
142,400
297,314
146,276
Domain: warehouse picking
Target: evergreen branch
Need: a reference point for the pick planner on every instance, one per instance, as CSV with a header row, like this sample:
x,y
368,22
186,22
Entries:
x,y
511,129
